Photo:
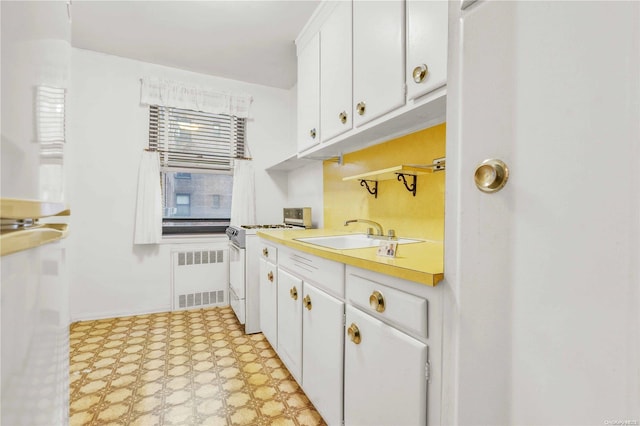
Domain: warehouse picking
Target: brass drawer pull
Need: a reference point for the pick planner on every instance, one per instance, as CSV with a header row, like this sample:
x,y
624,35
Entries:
x,y
265,252
376,301
270,276
312,133
361,108
293,293
307,302
420,72
343,117
354,334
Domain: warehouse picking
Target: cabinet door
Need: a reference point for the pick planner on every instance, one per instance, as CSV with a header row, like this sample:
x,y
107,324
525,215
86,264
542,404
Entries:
x,y
290,322
426,46
384,374
268,302
309,94
322,352
378,58
335,73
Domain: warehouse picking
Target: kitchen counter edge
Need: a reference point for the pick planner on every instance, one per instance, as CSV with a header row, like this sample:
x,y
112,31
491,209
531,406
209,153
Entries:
x,y
366,258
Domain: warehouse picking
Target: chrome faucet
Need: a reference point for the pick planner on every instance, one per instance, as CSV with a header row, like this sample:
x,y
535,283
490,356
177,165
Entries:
x,y
378,227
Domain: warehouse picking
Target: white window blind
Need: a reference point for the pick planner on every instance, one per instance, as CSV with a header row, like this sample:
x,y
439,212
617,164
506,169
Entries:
x,y
189,139
50,121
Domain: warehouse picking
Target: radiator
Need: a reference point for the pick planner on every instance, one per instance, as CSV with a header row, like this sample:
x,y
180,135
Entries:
x,y
200,278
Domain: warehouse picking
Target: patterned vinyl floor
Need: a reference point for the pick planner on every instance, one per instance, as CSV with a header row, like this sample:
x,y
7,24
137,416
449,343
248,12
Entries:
x,y
180,368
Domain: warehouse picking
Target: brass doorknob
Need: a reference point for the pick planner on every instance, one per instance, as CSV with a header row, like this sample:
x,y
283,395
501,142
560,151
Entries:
x,y
354,334
491,175
361,108
312,133
343,117
307,302
420,72
270,276
265,252
293,293
376,301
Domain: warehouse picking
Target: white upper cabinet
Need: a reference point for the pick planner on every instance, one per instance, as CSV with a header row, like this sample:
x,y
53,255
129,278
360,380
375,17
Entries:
x,y
426,46
335,72
309,94
378,58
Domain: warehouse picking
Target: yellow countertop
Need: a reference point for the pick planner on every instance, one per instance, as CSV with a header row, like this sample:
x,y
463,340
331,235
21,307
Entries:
x,y
421,262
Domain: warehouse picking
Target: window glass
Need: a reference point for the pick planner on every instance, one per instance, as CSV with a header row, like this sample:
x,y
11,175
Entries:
x,y
198,203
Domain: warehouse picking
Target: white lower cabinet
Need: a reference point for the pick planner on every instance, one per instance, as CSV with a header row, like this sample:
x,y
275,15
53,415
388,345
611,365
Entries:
x,y
322,352
384,374
290,322
360,344
269,301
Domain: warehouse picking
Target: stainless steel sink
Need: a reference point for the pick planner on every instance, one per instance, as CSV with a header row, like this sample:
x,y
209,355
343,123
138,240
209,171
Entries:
x,y
351,241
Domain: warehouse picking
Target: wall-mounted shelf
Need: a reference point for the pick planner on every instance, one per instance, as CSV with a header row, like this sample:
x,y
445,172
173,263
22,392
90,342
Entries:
x,y
399,173
391,173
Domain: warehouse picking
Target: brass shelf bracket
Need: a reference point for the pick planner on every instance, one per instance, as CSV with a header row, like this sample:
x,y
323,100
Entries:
x,y
372,190
411,188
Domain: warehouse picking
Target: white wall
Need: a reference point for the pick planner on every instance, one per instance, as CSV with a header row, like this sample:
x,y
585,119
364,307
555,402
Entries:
x,y
107,131
305,190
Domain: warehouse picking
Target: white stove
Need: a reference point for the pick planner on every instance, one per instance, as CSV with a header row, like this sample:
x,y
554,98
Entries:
x,y
244,291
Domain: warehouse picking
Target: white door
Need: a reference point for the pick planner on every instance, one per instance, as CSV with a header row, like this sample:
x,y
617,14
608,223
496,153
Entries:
x,y
322,352
309,94
384,375
269,302
544,274
378,58
290,322
335,72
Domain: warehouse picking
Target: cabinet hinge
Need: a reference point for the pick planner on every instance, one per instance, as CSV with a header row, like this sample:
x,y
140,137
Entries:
x,y
427,371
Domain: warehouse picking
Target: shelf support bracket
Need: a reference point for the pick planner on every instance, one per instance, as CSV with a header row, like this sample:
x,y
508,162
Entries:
x,y
411,188
372,190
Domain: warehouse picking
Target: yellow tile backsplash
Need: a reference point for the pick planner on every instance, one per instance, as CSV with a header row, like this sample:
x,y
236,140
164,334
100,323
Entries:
x,y
396,208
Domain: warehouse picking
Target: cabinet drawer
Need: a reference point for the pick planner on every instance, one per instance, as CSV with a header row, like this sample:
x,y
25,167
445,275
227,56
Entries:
x,y
269,252
325,274
405,310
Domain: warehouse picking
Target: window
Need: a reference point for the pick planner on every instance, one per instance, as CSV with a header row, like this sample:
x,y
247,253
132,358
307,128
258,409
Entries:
x,y
196,153
183,205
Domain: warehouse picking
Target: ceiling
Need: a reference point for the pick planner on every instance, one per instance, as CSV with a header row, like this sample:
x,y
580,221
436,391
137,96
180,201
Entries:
x,y
250,40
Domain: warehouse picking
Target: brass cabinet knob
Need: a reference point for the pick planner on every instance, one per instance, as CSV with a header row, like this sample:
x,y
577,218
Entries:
x,y
312,133
343,117
354,334
376,301
420,72
307,302
491,175
361,108
293,293
265,252
270,276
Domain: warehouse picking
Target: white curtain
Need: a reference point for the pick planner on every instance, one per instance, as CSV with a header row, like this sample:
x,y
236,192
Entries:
x,y
243,194
175,94
148,225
